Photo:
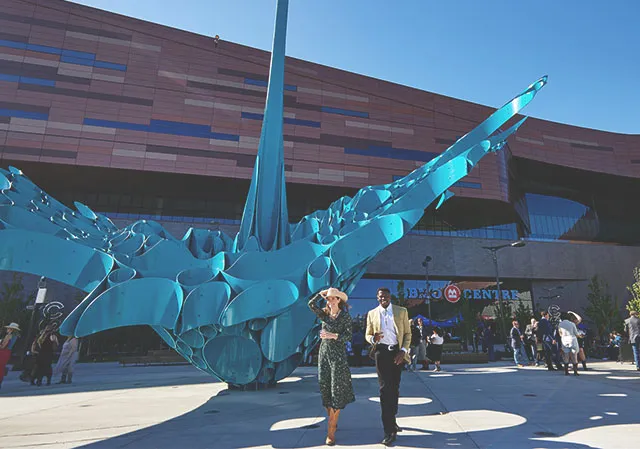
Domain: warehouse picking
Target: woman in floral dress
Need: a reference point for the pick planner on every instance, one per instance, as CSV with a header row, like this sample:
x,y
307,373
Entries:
x,y
333,370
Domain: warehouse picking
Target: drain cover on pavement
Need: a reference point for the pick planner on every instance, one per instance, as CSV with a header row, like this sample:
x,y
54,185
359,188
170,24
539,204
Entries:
x,y
211,412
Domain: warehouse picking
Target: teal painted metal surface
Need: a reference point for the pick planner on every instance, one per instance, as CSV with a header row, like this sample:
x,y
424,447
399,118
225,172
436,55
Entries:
x,y
235,308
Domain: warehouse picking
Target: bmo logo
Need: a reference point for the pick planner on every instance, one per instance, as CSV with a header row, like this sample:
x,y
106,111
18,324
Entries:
x,y
452,293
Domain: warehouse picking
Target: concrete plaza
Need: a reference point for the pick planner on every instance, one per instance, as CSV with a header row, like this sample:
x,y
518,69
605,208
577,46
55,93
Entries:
x,y
466,406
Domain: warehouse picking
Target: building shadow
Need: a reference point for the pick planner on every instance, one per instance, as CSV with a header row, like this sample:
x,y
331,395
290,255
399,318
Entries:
x,y
123,378
291,416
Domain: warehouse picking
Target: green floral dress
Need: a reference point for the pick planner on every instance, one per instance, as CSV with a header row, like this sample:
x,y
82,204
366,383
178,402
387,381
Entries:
x,y
333,369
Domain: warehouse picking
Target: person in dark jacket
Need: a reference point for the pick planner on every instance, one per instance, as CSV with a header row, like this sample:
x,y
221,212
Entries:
x,y
419,337
357,345
546,335
517,344
44,348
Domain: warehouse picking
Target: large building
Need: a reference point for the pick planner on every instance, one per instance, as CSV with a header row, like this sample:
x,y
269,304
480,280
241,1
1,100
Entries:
x,y
142,121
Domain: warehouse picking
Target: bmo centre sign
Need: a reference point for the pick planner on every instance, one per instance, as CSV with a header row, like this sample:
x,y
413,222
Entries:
x,y
451,293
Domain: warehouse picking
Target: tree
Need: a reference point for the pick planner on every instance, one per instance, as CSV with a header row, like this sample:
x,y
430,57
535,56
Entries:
x,y
13,303
468,324
503,319
399,298
602,308
634,290
523,314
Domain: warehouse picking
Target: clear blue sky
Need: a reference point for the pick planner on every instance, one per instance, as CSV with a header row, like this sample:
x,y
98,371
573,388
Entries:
x,y
483,51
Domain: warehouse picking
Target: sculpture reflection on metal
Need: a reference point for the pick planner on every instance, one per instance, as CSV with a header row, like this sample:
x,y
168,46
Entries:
x,y
235,308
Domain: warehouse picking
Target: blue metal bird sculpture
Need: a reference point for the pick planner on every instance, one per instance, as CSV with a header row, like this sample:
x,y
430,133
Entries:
x,y
235,308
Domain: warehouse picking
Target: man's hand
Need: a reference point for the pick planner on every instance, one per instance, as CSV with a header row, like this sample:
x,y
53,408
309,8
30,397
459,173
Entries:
x,y
399,358
377,337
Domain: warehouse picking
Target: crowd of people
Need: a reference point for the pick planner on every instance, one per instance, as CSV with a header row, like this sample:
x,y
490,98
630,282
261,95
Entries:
x,y
560,343
37,365
555,345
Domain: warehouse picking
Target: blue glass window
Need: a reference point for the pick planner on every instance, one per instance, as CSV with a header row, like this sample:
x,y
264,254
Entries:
x,y
23,114
287,120
345,112
468,185
165,127
431,224
554,218
393,153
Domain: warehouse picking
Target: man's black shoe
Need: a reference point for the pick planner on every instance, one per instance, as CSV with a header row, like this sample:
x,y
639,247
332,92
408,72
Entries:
x,y
389,439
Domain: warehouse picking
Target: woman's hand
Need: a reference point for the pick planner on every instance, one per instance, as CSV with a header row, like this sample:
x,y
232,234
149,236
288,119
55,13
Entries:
x,y
328,335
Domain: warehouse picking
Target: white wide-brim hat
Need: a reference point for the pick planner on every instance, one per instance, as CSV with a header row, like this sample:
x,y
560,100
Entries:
x,y
578,317
334,292
13,326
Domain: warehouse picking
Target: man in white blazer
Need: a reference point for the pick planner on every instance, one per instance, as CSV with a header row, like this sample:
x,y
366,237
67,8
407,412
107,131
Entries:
x,y
389,331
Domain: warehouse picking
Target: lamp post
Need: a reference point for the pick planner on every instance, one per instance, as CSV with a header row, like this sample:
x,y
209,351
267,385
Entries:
x,y
41,297
425,264
494,255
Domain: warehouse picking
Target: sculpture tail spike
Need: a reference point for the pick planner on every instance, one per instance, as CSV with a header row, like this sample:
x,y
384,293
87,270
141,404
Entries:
x,y
469,146
265,220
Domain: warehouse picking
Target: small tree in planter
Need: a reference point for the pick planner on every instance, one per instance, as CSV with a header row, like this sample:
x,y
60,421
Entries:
x,y
13,303
523,314
634,291
602,308
399,298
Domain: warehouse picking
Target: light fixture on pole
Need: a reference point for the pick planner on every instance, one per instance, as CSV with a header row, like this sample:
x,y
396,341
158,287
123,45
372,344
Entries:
x,y
494,255
548,297
425,264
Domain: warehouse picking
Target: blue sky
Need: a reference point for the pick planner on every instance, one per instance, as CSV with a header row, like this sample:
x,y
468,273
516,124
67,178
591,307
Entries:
x,y
484,51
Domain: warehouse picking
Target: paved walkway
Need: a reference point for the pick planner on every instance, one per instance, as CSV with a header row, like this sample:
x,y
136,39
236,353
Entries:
x,y
466,406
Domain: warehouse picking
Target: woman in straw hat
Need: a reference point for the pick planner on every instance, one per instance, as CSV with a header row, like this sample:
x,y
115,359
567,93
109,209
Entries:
x,y
6,344
569,340
333,370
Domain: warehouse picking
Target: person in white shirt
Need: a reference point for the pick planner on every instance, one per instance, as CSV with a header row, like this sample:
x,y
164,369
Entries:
x,y
569,340
435,347
67,360
389,331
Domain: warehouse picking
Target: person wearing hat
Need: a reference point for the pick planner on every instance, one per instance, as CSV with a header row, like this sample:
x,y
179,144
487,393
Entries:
x,y
6,344
334,375
569,341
